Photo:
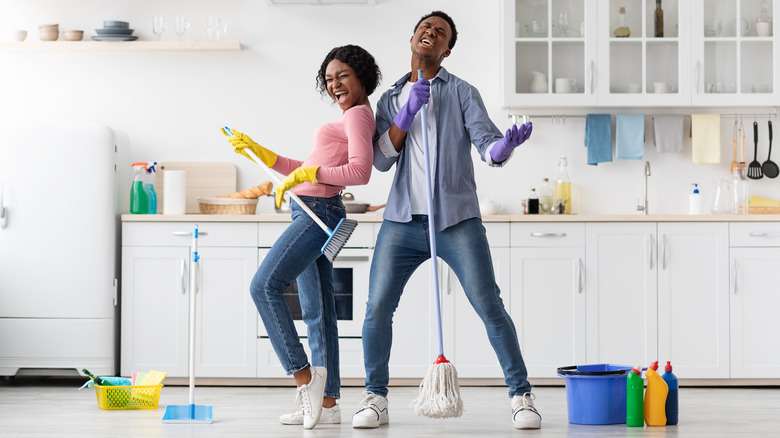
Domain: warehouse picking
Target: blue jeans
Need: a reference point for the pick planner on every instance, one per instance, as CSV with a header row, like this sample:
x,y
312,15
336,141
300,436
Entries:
x,y
296,255
400,249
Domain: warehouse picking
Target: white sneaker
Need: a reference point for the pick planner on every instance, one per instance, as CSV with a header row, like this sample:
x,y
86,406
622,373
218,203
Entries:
x,y
328,416
524,414
309,397
372,412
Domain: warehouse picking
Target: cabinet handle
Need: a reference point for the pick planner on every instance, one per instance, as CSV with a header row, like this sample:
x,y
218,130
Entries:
x,y
581,275
189,233
182,270
698,77
548,234
342,258
592,75
763,234
650,246
663,252
736,276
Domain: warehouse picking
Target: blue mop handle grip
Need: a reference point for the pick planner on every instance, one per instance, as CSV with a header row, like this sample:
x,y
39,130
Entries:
x,y
431,221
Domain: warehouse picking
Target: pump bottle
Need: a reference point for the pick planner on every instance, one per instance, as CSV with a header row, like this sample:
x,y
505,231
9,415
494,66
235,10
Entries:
x,y
635,388
655,397
672,402
694,200
139,202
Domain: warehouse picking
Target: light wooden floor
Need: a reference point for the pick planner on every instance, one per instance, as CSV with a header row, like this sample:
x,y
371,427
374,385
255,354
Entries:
x,y
54,407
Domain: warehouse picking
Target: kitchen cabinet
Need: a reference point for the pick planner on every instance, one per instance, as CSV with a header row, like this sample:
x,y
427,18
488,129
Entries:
x,y
548,299
621,287
693,303
114,46
155,299
711,53
754,264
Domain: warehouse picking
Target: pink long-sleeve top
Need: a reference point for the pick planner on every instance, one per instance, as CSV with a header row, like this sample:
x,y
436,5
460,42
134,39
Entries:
x,y
343,150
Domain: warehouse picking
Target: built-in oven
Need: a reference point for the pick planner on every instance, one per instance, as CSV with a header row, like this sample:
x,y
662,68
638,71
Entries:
x,y
350,283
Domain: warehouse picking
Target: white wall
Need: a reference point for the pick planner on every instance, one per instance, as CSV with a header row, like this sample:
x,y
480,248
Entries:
x,y
168,106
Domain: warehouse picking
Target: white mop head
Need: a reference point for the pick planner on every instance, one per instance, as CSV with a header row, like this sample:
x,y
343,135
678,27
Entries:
x,y
439,392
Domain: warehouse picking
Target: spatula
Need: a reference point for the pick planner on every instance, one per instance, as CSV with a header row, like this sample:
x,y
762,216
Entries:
x,y
770,167
754,168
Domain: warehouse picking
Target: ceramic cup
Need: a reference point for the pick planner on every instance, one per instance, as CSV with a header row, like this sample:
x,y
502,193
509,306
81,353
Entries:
x,y
662,87
565,85
634,88
764,29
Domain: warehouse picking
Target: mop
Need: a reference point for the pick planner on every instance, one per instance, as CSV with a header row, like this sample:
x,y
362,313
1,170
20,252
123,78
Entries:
x,y
337,237
439,395
191,413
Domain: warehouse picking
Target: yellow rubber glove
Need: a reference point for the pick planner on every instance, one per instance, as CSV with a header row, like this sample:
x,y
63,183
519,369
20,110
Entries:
x,y
241,141
299,175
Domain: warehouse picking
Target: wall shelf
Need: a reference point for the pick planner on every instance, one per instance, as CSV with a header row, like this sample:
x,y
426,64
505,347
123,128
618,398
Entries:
x,y
96,46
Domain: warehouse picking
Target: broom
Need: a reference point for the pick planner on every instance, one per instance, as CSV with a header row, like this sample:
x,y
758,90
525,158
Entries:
x,y
439,395
337,237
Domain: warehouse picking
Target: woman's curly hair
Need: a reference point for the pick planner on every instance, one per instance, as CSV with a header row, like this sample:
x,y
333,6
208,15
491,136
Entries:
x,y
359,59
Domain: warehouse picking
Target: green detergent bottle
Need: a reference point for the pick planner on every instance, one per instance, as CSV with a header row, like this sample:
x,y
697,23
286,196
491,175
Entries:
x,y
139,202
634,402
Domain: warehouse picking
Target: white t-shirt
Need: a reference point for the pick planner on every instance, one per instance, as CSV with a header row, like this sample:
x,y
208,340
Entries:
x,y
418,198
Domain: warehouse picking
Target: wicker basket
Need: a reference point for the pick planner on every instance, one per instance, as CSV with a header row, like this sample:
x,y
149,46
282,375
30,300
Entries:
x,y
227,205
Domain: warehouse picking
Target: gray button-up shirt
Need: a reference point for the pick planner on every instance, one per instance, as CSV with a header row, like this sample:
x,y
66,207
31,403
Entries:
x,y
461,120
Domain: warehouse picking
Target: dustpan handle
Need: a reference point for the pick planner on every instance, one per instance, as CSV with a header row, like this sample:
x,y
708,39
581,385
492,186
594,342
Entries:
x,y
431,221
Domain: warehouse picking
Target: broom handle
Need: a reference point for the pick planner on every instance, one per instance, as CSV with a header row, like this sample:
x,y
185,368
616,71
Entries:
x,y
431,221
290,192
193,301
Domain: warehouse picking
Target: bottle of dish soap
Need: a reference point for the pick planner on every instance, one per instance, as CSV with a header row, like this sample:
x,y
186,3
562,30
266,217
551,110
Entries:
x,y
655,397
151,195
694,200
672,402
139,202
635,388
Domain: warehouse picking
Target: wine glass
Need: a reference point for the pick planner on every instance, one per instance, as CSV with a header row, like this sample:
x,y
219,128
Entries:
x,y
563,23
158,26
182,24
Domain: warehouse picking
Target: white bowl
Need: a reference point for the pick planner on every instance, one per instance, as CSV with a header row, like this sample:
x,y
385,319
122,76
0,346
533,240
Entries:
x,y
73,35
18,35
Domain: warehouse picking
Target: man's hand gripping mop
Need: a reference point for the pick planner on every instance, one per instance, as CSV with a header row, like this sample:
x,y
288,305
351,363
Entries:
x,y
337,237
439,391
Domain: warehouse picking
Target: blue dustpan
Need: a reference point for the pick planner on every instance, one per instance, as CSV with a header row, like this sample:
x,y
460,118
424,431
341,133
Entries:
x,y
191,413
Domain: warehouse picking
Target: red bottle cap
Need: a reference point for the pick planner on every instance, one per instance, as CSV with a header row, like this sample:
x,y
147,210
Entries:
x,y
637,370
668,366
654,366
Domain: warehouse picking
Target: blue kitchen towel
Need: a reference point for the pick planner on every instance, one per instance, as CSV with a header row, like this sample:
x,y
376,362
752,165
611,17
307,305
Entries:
x,y
598,138
630,136
668,133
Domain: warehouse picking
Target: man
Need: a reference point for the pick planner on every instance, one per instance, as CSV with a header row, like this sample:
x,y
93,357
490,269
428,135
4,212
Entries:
x,y
456,119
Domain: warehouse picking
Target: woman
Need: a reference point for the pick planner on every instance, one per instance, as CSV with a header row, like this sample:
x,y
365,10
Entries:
x,y
342,155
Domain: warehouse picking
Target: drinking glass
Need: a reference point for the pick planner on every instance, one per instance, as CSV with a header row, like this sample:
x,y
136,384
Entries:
x,y
563,24
158,26
215,28
182,24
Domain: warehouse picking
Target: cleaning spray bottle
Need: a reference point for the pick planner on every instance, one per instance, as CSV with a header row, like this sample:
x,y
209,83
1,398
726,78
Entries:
x,y
139,203
655,397
635,388
151,195
672,403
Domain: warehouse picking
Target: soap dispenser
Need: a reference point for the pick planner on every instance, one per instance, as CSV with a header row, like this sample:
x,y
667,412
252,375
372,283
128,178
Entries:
x,y
694,200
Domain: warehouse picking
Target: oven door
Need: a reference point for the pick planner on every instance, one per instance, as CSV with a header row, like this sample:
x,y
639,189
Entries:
x,y
350,281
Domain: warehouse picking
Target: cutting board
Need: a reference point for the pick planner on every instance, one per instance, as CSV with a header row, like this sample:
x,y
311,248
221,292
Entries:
x,y
204,180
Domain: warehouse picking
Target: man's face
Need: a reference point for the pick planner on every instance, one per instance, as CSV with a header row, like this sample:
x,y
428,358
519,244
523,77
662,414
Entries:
x,y
431,39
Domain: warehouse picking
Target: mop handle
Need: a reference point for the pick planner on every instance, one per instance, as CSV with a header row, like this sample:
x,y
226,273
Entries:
x,y
277,181
431,221
193,289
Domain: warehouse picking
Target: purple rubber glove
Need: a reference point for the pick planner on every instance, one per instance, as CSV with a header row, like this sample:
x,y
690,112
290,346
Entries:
x,y
420,94
515,136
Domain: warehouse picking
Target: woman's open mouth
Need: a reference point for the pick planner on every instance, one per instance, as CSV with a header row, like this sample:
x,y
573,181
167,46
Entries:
x,y
341,96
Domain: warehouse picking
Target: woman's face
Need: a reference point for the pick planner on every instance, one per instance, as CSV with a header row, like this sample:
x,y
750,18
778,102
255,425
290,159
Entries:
x,y
344,86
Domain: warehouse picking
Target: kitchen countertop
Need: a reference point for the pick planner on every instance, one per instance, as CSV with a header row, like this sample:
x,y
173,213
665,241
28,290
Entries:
x,y
377,218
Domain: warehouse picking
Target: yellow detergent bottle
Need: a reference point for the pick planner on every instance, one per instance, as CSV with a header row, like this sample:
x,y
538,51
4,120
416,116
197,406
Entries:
x,y
655,397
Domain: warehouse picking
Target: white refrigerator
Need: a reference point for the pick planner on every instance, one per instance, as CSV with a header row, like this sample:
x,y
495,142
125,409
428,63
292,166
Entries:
x,y
58,249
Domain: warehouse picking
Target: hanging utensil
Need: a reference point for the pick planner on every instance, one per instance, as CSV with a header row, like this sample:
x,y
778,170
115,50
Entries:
x,y
734,148
770,167
754,169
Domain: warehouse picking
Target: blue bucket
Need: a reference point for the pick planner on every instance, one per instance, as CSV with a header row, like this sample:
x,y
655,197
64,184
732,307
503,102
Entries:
x,y
596,394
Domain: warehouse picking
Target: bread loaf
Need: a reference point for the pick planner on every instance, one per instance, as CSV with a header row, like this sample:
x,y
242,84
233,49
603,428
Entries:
x,y
253,192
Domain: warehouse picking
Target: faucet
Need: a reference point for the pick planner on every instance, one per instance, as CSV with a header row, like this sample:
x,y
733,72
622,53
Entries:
x,y
643,206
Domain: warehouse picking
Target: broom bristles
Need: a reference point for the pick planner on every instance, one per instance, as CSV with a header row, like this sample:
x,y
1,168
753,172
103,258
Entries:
x,y
339,238
439,395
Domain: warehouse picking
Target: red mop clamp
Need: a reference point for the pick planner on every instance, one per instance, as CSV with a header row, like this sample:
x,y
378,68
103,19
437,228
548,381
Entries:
x,y
441,359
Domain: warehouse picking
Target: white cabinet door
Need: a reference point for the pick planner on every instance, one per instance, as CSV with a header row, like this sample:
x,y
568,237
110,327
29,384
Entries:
x,y
226,319
621,288
693,305
155,302
548,307
415,345
754,297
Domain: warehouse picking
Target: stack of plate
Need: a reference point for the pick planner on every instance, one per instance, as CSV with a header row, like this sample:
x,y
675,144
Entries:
x,y
115,31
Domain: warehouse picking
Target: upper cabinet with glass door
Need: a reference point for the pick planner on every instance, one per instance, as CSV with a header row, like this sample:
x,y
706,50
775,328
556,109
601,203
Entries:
x,y
735,55
643,52
549,52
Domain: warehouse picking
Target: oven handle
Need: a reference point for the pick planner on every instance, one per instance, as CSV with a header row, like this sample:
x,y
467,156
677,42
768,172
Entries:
x,y
342,258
